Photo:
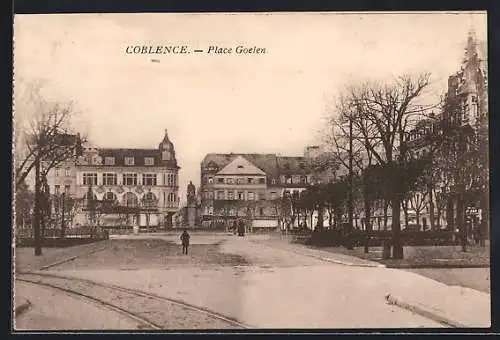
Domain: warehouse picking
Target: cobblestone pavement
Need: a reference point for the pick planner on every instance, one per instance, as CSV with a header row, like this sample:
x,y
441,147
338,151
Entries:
x,y
156,313
56,310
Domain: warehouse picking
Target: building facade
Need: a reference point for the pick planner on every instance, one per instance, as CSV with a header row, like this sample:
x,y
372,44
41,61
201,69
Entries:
x,y
250,187
134,187
466,113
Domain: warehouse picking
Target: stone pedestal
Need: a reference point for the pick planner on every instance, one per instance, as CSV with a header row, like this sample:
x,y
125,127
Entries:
x,y
191,216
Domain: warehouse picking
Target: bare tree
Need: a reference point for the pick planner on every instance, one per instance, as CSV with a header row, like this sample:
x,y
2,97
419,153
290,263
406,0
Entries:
x,y
43,138
382,115
47,134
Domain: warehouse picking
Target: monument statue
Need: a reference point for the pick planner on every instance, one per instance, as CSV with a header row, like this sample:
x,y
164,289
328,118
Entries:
x,y
191,204
191,193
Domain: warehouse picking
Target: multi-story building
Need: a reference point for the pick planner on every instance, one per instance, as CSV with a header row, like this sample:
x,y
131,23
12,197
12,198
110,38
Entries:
x,y
143,183
249,187
466,110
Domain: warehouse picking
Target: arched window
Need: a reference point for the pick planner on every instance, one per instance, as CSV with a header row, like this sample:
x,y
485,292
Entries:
x,y
149,200
86,198
130,199
109,197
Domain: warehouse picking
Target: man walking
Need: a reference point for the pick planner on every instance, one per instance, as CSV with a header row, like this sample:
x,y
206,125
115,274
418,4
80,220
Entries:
x,y
185,241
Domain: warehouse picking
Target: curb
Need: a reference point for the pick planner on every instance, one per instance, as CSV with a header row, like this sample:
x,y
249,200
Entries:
x,y
22,308
423,311
436,266
70,258
370,264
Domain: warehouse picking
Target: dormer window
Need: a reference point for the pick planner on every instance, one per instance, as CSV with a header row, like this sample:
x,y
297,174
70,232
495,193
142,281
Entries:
x,y
109,161
129,160
165,155
149,161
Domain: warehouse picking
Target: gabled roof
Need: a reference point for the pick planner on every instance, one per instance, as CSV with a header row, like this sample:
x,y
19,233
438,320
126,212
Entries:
x,y
241,166
265,162
271,164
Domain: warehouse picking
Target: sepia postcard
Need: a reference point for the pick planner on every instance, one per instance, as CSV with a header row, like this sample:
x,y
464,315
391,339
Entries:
x,y
250,171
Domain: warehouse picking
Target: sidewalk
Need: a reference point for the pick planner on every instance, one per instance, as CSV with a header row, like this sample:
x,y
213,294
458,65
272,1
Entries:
x,y
25,259
453,305
324,255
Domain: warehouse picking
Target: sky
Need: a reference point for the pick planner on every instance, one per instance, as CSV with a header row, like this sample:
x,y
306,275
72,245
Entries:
x,y
262,103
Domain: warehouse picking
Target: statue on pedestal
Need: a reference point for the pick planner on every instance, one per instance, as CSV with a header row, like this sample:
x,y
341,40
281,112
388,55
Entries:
x,y
191,194
191,204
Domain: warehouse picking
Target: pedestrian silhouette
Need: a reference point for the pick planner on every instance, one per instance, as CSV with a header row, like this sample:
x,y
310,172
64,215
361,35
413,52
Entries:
x,y
185,241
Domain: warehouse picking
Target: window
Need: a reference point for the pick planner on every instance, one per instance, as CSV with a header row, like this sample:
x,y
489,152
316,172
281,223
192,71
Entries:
x,y
229,180
303,179
57,172
241,195
129,179
129,160
170,179
130,199
109,161
274,195
230,195
251,196
149,179
89,179
220,180
165,155
67,172
66,189
239,180
149,200
171,197
56,189
149,161
250,180
262,181
240,166
210,180
220,195
273,181
262,196
109,197
109,179
261,211
288,179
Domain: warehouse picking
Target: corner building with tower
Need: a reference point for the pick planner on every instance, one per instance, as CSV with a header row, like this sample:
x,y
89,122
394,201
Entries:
x,y
136,187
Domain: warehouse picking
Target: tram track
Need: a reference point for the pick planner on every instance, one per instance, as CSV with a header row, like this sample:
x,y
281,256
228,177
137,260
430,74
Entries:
x,y
151,311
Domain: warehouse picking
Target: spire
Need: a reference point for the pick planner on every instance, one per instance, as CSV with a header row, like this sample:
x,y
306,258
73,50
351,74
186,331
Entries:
x,y
166,133
471,45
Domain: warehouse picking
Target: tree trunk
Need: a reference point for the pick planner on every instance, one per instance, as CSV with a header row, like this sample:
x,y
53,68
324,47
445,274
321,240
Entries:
x,y
386,207
37,211
368,225
320,218
404,203
461,221
417,216
397,244
431,209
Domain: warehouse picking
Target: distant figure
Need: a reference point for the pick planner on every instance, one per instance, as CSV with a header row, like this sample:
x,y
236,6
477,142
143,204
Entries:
x,y
185,241
241,228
